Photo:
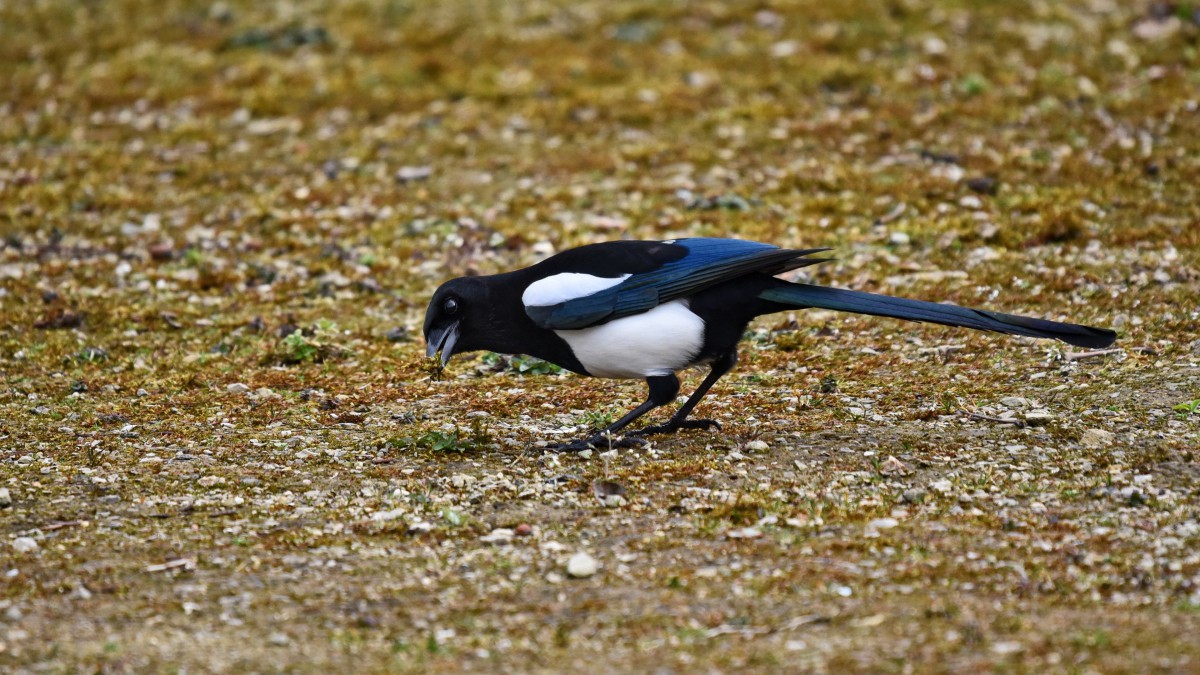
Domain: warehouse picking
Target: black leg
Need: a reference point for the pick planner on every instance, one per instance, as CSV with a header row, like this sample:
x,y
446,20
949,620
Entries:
x,y
663,389
679,420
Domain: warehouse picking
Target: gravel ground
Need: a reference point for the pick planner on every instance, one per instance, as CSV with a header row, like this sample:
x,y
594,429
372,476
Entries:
x,y
221,448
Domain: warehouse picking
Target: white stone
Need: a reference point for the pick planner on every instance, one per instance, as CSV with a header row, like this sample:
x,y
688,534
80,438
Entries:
x,y
1005,648
613,501
1096,438
1037,418
500,535
381,516
943,486
934,46
744,533
25,544
882,524
581,565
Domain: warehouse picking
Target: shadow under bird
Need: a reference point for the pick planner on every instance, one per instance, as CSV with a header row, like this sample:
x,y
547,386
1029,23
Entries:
x,y
647,309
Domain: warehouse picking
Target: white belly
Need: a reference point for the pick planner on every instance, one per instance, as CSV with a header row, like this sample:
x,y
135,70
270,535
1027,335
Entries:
x,y
659,342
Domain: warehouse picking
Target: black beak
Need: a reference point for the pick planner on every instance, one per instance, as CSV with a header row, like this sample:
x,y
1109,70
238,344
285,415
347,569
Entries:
x,y
442,340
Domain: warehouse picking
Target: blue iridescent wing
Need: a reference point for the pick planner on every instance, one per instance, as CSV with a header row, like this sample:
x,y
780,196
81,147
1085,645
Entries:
x,y
706,262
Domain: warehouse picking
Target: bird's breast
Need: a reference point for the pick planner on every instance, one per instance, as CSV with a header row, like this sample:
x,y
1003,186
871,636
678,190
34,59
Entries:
x,y
661,341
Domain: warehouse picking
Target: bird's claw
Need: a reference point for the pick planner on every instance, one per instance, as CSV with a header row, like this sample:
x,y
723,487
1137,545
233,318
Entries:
x,y
703,425
577,445
598,442
631,439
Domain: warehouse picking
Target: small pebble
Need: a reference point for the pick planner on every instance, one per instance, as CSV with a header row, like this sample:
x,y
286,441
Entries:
x,y
237,388
1152,30
25,544
5,498
943,486
524,530
1005,648
581,565
892,466
882,524
607,488
392,514
1096,438
1037,418
970,202
984,185
162,251
409,174
744,533
934,46
500,535
757,445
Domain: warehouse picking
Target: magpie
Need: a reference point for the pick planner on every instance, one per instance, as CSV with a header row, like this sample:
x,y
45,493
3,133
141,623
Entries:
x,y
648,309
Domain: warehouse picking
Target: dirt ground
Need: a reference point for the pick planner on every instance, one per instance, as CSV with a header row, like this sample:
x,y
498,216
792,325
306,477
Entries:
x,y
222,448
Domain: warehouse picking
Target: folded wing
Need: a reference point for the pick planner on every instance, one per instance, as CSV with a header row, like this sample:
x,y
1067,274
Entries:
x,y
703,262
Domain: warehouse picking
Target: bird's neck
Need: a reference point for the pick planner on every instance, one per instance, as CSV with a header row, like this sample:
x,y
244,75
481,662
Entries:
x,y
511,331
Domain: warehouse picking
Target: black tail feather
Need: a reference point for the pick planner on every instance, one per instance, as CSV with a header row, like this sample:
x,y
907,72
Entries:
x,y
822,297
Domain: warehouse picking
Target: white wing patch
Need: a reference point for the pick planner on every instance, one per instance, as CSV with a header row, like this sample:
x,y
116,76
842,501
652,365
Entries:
x,y
566,286
661,341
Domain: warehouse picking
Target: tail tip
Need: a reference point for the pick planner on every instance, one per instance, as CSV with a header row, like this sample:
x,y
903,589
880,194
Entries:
x,y
1092,338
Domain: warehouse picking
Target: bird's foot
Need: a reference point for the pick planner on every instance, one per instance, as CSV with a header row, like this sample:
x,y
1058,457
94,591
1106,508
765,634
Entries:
x,y
671,427
602,442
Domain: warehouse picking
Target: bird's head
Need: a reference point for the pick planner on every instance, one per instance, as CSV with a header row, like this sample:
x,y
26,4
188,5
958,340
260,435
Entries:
x,y
455,311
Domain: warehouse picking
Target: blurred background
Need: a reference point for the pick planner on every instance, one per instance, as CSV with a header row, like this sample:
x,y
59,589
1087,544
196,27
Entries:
x,y
388,144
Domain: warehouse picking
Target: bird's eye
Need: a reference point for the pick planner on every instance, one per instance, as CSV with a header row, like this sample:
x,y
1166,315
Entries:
x,y
450,306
